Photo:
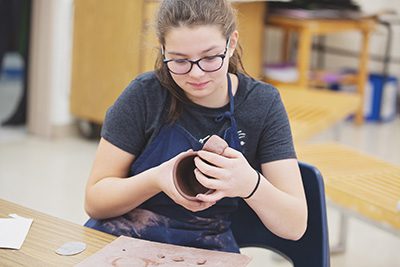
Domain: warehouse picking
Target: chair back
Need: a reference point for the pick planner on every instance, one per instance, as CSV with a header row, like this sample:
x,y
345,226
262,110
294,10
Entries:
x,y
309,251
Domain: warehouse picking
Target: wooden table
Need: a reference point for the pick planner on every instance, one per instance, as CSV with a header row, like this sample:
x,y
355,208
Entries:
x,y
312,111
46,234
307,28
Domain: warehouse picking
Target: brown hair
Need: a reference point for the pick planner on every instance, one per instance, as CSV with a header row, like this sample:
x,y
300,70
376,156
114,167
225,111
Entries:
x,y
176,13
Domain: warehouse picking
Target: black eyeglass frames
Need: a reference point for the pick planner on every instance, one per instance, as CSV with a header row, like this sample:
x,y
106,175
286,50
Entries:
x,y
206,64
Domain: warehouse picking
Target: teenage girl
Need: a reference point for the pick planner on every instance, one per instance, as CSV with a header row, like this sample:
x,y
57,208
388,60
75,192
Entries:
x,y
198,89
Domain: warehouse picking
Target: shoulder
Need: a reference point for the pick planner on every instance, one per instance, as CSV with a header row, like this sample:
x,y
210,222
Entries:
x,y
145,89
136,114
255,92
145,84
148,79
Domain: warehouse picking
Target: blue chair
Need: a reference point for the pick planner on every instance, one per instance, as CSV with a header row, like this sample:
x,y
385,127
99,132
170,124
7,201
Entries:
x,y
309,251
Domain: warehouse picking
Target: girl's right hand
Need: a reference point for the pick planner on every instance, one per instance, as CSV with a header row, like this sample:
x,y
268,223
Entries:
x,y
165,182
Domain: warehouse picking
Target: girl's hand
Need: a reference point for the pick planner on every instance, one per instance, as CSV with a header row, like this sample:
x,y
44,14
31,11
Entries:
x,y
233,175
164,181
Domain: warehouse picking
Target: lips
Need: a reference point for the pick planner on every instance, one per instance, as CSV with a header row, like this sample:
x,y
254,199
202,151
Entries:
x,y
198,85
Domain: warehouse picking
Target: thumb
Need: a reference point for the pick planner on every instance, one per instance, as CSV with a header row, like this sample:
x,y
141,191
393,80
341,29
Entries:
x,y
231,153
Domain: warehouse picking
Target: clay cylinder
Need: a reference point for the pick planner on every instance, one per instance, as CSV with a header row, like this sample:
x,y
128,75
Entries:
x,y
183,173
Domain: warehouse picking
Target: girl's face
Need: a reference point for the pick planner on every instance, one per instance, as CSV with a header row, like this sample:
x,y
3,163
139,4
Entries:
x,y
204,88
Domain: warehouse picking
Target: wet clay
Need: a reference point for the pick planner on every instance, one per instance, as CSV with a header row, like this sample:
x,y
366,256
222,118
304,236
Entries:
x,y
201,261
178,259
147,253
184,178
215,144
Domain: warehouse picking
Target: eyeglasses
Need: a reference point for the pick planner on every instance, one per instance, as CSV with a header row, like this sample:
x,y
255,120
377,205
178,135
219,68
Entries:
x,y
206,64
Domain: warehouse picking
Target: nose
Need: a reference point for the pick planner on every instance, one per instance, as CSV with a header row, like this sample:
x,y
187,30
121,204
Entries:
x,y
196,71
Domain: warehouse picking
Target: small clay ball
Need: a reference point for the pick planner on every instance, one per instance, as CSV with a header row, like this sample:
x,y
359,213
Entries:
x,y
201,261
177,259
215,144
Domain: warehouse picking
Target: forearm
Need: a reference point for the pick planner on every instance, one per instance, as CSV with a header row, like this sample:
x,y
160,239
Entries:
x,y
282,213
113,196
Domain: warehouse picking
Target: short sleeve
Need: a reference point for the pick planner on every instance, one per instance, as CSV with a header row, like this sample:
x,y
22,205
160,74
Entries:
x,y
276,142
124,123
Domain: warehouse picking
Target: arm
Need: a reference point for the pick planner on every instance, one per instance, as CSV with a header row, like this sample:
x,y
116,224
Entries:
x,y
279,200
110,193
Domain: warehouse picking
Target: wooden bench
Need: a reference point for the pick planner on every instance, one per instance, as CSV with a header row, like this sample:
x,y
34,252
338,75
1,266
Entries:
x,y
357,184
311,111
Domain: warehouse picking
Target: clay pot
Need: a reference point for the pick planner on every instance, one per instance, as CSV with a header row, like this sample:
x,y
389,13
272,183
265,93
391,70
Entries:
x,y
183,173
184,179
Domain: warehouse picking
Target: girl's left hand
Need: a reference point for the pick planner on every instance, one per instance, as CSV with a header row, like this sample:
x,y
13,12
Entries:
x,y
229,174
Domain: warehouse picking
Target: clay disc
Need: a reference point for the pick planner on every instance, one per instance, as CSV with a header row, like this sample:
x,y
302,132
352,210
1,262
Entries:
x,y
71,248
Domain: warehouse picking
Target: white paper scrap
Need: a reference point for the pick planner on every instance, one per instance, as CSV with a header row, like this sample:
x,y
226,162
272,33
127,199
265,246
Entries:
x,y
13,231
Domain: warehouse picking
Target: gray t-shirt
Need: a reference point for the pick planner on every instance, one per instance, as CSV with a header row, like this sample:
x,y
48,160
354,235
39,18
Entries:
x,y
263,127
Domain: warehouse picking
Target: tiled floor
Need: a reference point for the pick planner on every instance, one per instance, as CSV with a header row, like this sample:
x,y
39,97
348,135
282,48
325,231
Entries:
x,y
50,176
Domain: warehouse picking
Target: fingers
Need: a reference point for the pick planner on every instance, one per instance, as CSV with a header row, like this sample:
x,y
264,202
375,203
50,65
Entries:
x,y
192,205
196,205
210,198
213,158
220,160
231,153
210,165
206,181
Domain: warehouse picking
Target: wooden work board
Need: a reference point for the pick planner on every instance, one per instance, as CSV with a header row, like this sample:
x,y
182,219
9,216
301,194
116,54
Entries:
x,y
127,251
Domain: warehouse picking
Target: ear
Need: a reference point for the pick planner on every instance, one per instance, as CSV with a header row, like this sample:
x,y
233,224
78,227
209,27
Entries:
x,y
234,38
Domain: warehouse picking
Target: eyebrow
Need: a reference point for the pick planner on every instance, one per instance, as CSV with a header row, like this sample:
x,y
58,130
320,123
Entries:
x,y
184,55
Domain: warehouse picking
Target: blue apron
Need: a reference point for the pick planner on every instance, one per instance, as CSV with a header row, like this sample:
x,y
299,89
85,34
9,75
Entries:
x,y
159,218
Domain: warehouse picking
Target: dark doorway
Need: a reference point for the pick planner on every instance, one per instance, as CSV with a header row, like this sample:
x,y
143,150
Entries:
x,y
14,38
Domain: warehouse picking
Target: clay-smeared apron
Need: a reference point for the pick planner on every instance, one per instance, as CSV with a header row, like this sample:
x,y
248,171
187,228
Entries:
x,y
160,218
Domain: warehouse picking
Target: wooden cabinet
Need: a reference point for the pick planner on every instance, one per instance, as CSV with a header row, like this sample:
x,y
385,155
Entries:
x,y
106,53
114,41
